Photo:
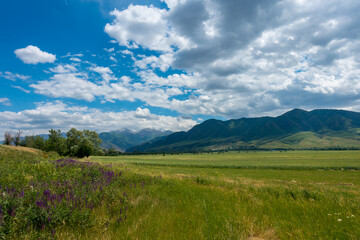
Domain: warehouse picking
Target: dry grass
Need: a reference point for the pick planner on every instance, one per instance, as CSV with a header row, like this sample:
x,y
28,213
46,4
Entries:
x,y
22,149
269,234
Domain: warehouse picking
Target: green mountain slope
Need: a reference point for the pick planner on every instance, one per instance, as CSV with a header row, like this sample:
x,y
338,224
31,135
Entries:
x,y
322,128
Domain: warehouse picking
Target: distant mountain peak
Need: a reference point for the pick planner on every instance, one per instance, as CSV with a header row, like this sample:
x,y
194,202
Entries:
x,y
296,111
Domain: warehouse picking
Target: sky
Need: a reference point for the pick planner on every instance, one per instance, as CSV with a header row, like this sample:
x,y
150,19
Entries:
x,y
169,64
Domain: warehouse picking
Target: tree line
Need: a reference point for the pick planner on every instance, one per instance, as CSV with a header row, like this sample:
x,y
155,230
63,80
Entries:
x,y
76,144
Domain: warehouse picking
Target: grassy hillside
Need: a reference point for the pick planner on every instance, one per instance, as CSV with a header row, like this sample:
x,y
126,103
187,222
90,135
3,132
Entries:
x,y
29,152
311,140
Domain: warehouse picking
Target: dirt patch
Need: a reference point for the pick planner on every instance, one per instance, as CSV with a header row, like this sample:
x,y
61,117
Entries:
x,y
180,175
254,183
329,183
229,180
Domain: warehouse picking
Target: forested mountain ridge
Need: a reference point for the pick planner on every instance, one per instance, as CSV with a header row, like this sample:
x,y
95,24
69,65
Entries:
x,y
294,129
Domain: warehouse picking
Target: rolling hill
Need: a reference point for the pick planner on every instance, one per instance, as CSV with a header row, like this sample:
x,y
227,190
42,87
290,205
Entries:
x,y
296,129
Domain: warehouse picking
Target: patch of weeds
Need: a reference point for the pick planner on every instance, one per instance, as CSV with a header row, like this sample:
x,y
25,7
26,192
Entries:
x,y
203,181
65,192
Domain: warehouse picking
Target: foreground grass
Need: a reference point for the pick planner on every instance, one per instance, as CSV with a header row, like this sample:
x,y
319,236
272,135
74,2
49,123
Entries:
x,y
283,195
44,198
198,210
181,197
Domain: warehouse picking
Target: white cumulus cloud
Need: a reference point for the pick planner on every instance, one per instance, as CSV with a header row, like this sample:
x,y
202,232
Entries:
x,y
246,58
63,68
105,73
67,85
143,113
33,55
145,26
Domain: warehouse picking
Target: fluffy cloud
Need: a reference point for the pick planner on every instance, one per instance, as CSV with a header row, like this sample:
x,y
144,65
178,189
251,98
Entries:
x,y
143,113
163,62
189,81
139,25
105,73
61,68
33,55
68,82
67,85
59,115
145,26
247,58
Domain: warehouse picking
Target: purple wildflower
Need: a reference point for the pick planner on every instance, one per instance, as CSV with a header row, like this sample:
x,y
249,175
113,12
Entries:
x,y
40,204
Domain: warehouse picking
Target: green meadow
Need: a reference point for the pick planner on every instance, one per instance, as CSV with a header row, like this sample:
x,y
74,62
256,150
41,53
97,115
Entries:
x,y
235,195
252,159
246,195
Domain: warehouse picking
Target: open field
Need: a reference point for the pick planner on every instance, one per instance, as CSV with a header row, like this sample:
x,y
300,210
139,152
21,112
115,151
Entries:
x,y
260,160
255,195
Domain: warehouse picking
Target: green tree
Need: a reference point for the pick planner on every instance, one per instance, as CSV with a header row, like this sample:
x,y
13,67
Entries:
x,y
93,137
82,143
39,143
73,140
86,149
56,142
112,152
29,141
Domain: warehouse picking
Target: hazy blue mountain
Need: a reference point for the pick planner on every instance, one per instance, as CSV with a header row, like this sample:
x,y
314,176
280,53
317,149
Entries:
x,y
297,128
121,140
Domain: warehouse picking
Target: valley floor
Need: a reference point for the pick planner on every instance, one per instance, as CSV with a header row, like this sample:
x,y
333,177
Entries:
x,y
244,195
234,195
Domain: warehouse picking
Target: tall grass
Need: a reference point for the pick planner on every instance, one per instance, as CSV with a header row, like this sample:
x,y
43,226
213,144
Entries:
x,y
199,210
267,202
46,197
41,197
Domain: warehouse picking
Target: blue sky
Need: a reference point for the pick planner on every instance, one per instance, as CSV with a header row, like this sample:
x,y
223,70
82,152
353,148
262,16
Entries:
x,y
106,65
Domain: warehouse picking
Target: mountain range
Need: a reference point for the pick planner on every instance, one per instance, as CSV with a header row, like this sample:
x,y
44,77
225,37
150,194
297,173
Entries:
x,y
122,139
296,129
